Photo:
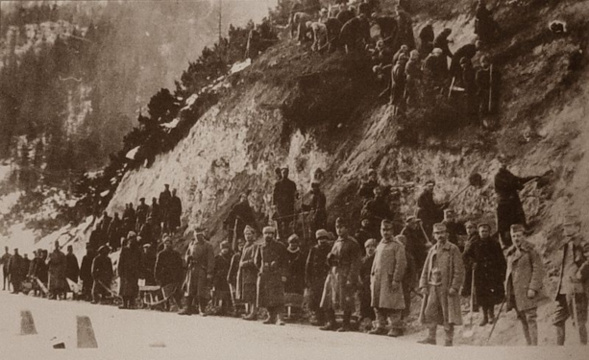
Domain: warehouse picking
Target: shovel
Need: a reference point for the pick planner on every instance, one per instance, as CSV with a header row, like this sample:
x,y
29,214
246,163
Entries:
x,y
468,329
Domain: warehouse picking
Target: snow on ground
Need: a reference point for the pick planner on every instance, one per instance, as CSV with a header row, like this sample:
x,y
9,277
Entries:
x,y
129,334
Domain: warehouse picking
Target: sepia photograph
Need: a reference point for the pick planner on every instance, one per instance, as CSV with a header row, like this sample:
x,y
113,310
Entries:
x,y
294,179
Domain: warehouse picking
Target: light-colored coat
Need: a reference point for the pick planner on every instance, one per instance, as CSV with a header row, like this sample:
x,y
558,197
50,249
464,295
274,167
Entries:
x,y
389,266
525,271
449,261
200,261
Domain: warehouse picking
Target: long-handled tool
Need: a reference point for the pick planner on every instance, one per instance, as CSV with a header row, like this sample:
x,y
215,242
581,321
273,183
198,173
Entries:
x,y
474,179
496,320
468,329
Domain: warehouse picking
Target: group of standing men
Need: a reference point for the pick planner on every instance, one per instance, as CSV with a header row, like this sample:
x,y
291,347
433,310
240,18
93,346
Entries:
x,y
149,222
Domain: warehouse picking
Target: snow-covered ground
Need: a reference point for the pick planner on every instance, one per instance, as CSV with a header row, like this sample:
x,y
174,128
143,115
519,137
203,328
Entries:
x,y
155,335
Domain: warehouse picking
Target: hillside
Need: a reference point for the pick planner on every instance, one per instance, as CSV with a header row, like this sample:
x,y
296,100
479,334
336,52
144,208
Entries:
x,y
308,111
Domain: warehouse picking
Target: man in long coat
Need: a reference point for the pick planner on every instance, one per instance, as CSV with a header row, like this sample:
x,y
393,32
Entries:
x,y
318,207
523,282
367,314
220,285
141,214
488,266
169,269
72,268
295,257
316,270
57,266
102,274
509,206
376,210
342,280
283,197
440,282
573,282
386,279
175,212
4,260
86,273
247,274
200,263
129,269
15,270
416,241
271,261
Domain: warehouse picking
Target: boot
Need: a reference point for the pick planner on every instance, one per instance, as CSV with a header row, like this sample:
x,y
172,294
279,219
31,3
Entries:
x,y
188,310
560,334
449,332
346,323
251,316
271,318
329,326
527,335
485,320
396,332
491,315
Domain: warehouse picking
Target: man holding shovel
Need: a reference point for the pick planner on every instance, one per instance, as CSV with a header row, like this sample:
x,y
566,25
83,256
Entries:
x,y
571,292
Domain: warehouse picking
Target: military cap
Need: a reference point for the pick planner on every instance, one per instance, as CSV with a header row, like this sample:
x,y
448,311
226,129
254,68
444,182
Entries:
x,y
449,211
437,51
485,224
517,228
269,228
370,242
386,222
248,228
142,199
464,60
103,248
147,245
440,227
470,222
225,244
132,234
371,171
430,181
340,221
293,238
321,234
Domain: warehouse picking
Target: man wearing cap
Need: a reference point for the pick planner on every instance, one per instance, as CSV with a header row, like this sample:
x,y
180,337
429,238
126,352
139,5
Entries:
x,y
295,257
72,268
488,267
4,260
102,275
509,206
366,310
523,282
435,73
284,195
141,213
148,259
467,51
363,234
573,282
387,275
200,263
169,270
316,270
247,274
57,265
455,229
428,211
271,261
318,207
175,212
164,201
86,273
115,232
341,283
472,235
240,216
220,284
15,270
129,270
440,282
416,242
